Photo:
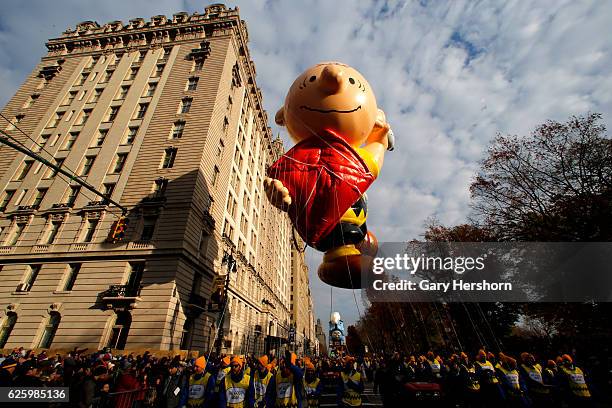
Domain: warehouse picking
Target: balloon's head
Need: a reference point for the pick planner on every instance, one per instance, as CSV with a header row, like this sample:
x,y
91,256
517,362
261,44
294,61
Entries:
x,y
329,96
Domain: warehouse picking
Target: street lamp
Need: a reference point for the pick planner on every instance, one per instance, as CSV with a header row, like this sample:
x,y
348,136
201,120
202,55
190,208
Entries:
x,y
228,260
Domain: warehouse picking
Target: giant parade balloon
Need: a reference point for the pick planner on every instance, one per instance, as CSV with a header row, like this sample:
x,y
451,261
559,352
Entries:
x,y
341,138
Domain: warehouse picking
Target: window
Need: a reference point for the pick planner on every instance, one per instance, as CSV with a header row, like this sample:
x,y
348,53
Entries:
x,y
177,129
185,105
167,51
231,206
70,97
132,74
30,278
23,171
18,230
220,148
41,144
89,161
93,61
159,187
226,124
229,103
123,92
108,189
131,134
142,109
84,116
101,136
53,230
7,328
134,279
93,77
52,172
73,272
82,79
30,101
159,69
50,329
121,157
96,95
169,157
148,228
72,137
198,64
215,175
40,195
69,116
141,56
56,119
121,328
90,230
108,74
73,193
112,113
192,84
8,196
151,88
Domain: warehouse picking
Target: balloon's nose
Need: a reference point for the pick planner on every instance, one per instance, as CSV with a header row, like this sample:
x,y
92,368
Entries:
x,y
332,80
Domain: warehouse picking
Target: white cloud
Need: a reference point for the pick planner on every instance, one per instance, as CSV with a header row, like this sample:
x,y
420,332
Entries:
x,y
449,75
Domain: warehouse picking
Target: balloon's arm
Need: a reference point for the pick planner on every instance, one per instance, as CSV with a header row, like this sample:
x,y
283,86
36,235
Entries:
x,y
277,193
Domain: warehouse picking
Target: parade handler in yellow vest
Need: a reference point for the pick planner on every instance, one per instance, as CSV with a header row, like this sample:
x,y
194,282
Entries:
x,y
350,385
490,388
261,378
199,384
513,386
531,372
573,383
312,384
286,385
236,389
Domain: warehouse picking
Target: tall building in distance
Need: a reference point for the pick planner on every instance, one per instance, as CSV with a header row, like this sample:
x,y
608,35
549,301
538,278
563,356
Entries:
x,y
164,116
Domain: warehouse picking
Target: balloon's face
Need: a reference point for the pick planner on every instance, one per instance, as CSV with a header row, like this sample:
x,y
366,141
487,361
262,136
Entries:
x,y
329,96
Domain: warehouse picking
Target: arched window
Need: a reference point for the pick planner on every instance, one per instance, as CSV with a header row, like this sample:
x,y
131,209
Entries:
x,y
50,328
121,328
7,327
187,339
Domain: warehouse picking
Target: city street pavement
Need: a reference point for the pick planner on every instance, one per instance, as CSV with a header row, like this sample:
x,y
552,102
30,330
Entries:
x,y
369,399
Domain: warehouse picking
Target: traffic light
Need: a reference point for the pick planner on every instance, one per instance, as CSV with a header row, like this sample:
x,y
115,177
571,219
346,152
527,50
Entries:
x,y
118,229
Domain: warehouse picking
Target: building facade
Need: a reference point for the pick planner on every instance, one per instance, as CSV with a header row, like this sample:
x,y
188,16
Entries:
x,y
164,116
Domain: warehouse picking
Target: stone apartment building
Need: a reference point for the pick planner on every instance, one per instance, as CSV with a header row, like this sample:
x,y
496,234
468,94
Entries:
x,y
164,116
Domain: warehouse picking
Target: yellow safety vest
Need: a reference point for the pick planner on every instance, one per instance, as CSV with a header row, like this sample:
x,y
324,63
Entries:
x,y
261,385
576,382
311,388
350,396
535,375
473,385
197,390
235,392
435,367
512,378
285,391
492,379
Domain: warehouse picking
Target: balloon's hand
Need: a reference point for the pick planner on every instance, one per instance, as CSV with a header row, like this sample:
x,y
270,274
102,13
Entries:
x,y
278,195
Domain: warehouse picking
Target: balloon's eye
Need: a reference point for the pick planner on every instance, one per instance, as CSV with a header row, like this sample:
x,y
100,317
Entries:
x,y
312,78
352,81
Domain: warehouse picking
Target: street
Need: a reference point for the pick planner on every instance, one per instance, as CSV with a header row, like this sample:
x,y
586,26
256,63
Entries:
x,y
369,399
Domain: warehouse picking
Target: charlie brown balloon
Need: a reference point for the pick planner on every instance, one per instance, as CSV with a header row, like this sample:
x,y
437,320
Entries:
x,y
341,138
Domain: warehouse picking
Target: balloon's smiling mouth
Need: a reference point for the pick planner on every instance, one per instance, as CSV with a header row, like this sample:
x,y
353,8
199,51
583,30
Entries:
x,y
329,110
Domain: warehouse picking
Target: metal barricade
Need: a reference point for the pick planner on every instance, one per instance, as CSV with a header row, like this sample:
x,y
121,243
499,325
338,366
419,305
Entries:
x,y
138,398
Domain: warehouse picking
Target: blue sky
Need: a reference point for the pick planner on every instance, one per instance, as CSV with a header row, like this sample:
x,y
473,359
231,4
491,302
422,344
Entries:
x,y
449,75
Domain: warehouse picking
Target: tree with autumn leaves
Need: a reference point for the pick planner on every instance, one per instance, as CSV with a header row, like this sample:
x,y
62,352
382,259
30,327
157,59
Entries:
x,y
554,185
